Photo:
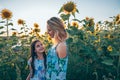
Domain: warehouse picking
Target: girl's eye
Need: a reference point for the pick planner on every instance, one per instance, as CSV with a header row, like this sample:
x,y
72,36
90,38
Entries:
x,y
38,45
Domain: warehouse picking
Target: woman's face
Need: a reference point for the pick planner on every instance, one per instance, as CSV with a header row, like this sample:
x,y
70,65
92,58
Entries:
x,y
39,47
50,32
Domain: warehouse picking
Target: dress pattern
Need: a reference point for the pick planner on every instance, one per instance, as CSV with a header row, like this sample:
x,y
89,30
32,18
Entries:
x,y
39,70
56,67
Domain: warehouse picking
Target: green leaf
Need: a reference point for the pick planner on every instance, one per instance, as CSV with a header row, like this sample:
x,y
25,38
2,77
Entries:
x,y
2,21
115,54
20,33
61,10
13,29
77,20
2,32
73,14
65,17
22,28
77,10
1,27
10,24
108,62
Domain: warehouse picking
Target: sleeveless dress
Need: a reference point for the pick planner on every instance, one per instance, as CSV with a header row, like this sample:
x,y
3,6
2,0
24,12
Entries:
x,y
39,69
56,67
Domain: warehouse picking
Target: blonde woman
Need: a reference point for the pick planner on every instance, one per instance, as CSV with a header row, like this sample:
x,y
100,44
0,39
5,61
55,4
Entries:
x,y
57,57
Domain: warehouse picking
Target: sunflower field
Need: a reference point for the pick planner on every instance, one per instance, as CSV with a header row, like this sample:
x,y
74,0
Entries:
x,y
94,47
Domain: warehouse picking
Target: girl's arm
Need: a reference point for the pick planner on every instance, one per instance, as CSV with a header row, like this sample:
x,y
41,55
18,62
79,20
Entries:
x,y
28,77
29,63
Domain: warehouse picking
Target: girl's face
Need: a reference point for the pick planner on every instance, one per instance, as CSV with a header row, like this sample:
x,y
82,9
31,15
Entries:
x,y
50,32
39,47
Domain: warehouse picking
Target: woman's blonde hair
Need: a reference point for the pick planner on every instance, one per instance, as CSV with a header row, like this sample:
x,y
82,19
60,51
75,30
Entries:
x,y
57,26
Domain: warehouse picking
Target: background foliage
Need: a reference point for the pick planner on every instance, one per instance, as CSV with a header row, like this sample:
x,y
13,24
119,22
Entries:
x,y
94,48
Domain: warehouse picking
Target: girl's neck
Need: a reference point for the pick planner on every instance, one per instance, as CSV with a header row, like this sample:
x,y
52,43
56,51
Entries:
x,y
40,56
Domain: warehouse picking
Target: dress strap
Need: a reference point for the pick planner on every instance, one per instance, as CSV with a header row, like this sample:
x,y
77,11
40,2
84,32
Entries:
x,y
56,46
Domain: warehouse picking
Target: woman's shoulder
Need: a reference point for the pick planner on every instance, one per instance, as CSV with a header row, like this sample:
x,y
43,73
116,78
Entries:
x,y
62,49
62,45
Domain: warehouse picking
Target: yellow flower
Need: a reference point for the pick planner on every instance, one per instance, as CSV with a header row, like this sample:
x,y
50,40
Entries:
x,y
36,30
36,25
89,32
91,22
6,14
106,36
21,22
75,23
31,33
97,29
14,34
97,25
117,17
23,36
69,7
49,39
81,28
87,18
109,48
99,48
38,35
118,22
97,40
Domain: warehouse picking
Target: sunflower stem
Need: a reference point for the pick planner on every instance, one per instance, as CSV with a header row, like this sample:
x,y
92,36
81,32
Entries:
x,y
7,29
118,67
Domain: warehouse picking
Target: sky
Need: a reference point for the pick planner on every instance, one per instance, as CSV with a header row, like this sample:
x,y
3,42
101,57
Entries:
x,y
39,11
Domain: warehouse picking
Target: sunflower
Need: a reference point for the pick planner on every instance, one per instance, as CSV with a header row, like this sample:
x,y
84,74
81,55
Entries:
x,y
69,7
6,14
14,34
87,18
118,22
117,17
36,25
36,30
106,36
23,36
31,33
109,48
89,32
49,39
97,29
37,34
21,22
91,22
99,48
75,23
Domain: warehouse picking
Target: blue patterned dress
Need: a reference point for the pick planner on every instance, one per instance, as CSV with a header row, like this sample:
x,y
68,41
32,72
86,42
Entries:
x,y
56,67
39,70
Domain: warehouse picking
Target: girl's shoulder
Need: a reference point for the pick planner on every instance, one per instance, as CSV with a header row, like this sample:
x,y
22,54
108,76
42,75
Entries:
x,y
29,61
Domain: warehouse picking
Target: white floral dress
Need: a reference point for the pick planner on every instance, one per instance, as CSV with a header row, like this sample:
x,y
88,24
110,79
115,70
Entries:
x,y
39,70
